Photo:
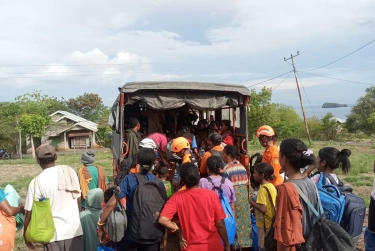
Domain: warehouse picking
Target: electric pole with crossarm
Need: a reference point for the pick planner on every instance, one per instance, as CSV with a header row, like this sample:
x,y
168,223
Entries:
x,y
299,93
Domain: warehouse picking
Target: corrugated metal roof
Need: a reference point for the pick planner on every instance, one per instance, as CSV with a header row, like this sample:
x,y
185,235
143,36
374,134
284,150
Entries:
x,y
78,120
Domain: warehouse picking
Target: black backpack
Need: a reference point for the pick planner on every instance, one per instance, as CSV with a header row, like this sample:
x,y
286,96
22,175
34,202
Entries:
x,y
325,235
125,167
354,212
148,201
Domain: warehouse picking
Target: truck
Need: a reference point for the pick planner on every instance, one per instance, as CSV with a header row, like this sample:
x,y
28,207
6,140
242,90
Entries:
x,y
162,106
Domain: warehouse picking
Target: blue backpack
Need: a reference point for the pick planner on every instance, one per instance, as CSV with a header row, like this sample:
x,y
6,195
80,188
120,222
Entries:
x,y
333,201
230,221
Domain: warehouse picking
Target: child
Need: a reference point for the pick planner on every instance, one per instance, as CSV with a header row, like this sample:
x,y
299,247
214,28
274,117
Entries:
x,y
163,174
264,207
330,159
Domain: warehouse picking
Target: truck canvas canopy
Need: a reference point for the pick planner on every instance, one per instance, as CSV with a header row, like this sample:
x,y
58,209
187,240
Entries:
x,y
172,95
161,102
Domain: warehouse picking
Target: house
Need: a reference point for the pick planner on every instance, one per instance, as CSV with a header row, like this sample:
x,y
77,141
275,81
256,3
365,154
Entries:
x,y
69,131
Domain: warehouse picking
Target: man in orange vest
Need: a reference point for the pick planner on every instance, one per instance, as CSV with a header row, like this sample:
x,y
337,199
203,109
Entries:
x,y
267,138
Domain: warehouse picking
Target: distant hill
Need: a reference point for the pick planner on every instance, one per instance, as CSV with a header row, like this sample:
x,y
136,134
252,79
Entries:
x,y
333,105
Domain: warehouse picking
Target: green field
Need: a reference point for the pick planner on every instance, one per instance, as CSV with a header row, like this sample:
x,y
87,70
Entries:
x,y
20,172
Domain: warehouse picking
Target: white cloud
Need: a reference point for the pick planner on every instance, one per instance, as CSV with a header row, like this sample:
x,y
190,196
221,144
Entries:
x,y
125,40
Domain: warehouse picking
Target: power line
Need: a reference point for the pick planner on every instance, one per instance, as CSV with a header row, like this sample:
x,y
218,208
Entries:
x,y
345,80
343,56
269,79
306,95
281,82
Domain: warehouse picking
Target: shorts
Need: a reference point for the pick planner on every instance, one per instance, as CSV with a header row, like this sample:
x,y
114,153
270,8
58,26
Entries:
x,y
74,244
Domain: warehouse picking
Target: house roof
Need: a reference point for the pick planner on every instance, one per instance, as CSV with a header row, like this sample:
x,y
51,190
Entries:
x,y
79,121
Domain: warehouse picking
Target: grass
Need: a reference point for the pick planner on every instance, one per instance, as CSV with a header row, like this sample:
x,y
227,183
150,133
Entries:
x,y
359,180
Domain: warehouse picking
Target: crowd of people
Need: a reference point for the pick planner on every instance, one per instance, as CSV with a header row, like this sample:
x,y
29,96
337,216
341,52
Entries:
x,y
156,206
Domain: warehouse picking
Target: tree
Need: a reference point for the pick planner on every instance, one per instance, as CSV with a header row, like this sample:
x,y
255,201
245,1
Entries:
x,y
330,128
282,118
362,116
34,126
89,106
260,109
38,107
104,129
287,122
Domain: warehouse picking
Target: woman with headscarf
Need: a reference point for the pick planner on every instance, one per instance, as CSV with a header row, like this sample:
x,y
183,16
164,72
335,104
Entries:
x,y
90,176
89,218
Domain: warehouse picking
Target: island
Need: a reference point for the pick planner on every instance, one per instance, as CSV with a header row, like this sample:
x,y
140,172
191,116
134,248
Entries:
x,y
333,105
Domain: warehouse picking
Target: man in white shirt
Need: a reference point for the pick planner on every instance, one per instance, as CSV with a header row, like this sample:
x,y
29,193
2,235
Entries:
x,y
64,202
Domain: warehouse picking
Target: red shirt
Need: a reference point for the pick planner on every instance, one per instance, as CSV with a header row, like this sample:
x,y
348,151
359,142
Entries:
x,y
197,211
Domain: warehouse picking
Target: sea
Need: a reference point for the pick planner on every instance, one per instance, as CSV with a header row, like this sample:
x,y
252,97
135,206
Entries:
x,y
318,111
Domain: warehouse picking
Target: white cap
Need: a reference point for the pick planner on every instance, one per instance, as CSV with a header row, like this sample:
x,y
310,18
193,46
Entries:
x,y
147,143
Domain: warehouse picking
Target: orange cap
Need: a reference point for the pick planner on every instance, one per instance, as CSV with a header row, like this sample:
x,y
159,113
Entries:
x,y
179,144
265,130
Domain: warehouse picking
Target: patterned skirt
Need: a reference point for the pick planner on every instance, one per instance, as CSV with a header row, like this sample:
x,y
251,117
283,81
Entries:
x,y
243,220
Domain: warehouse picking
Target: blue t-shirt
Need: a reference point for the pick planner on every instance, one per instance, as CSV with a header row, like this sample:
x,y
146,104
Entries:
x,y
2,195
128,186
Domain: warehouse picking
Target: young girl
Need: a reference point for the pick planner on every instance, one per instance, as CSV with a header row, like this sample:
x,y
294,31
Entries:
x,y
329,159
291,210
214,166
267,138
264,207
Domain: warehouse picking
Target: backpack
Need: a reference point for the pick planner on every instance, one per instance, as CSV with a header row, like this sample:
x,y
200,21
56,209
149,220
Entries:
x,y
230,221
354,215
117,221
325,235
340,185
354,211
125,167
332,200
148,201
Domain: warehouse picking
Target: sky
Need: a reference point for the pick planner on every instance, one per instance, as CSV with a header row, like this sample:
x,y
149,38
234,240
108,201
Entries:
x,y
67,48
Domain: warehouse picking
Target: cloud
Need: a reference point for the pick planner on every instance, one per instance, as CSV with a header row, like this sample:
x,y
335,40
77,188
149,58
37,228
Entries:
x,y
237,42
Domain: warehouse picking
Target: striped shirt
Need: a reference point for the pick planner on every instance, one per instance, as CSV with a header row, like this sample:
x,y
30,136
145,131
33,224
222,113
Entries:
x,y
236,173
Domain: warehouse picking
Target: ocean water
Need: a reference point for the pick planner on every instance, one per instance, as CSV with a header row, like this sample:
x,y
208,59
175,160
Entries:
x,y
318,111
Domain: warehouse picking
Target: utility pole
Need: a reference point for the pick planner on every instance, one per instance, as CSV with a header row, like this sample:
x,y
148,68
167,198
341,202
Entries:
x,y
299,93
